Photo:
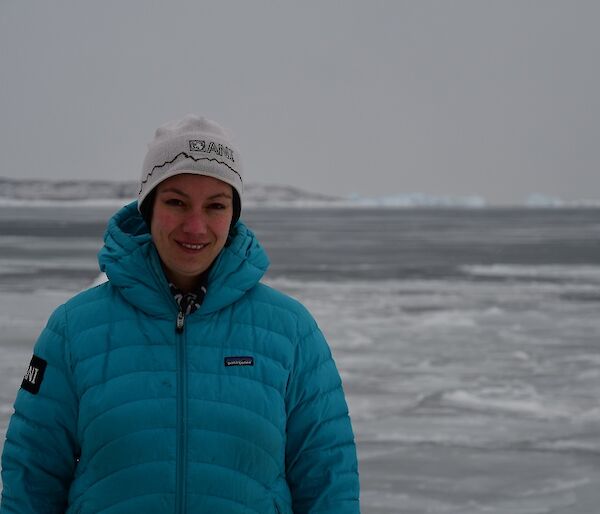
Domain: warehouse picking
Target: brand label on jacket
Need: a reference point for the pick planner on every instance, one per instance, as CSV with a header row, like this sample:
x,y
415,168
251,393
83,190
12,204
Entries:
x,y
239,361
34,376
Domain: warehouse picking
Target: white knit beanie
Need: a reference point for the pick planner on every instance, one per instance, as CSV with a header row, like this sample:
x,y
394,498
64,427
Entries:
x,y
190,145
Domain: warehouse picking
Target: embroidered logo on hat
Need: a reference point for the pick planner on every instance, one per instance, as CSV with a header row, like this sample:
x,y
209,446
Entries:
x,y
239,361
200,145
34,376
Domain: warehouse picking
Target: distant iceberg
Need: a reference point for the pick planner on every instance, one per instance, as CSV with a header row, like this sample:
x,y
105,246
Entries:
x,y
541,200
418,200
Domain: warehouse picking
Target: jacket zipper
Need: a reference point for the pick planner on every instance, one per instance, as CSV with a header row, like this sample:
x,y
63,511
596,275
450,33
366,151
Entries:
x,y
181,413
180,497
180,322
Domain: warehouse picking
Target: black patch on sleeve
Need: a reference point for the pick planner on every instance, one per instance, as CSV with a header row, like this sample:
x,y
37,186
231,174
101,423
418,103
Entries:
x,y
34,376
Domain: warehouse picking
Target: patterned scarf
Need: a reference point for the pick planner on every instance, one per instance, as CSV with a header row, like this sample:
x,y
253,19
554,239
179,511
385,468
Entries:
x,y
189,302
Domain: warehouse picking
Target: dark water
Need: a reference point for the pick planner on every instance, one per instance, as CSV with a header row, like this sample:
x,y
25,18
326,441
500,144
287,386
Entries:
x,y
422,243
52,247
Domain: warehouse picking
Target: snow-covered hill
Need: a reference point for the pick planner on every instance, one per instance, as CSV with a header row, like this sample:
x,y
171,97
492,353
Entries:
x,y
64,190
13,191
18,192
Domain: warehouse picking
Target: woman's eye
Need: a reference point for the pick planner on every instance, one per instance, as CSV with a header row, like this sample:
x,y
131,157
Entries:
x,y
174,202
217,206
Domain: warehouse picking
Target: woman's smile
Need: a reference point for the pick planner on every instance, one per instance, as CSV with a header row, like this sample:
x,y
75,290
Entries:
x,y
193,247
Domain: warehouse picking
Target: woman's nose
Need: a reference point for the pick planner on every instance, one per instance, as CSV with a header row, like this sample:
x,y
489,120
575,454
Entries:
x,y
195,223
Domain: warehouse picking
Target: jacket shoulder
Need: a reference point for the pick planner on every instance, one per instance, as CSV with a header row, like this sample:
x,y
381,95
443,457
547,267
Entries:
x,y
89,297
91,307
282,305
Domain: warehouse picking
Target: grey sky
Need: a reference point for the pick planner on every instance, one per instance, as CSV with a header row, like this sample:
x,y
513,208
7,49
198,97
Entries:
x,y
449,97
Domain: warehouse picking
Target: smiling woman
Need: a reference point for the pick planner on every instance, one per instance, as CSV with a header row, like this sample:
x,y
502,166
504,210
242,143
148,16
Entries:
x,y
183,384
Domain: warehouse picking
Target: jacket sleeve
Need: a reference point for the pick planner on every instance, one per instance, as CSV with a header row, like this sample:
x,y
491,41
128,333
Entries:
x,y
40,451
321,463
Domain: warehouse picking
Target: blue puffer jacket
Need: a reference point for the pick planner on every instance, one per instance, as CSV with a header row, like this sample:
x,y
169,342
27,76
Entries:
x,y
240,412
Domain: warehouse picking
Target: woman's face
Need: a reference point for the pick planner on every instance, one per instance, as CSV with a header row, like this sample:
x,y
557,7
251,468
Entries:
x,y
190,224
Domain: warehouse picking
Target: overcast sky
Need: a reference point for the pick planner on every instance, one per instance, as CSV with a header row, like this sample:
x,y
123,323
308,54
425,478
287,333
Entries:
x,y
496,98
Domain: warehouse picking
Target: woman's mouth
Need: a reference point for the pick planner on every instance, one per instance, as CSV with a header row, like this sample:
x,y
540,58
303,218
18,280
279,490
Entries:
x,y
192,246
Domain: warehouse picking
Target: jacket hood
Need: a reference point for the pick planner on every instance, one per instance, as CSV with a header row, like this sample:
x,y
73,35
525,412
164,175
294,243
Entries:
x,y
131,263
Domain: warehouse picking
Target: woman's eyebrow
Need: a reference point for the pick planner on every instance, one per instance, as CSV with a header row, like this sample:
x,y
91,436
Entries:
x,y
173,190
218,195
180,192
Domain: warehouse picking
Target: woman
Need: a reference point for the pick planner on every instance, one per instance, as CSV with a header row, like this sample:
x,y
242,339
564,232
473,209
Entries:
x,y
182,384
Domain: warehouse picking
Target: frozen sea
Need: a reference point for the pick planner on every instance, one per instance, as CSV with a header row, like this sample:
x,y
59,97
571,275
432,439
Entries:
x,y
468,340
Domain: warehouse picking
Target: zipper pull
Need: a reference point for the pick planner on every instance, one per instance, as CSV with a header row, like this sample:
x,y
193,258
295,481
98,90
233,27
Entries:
x,y
180,322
